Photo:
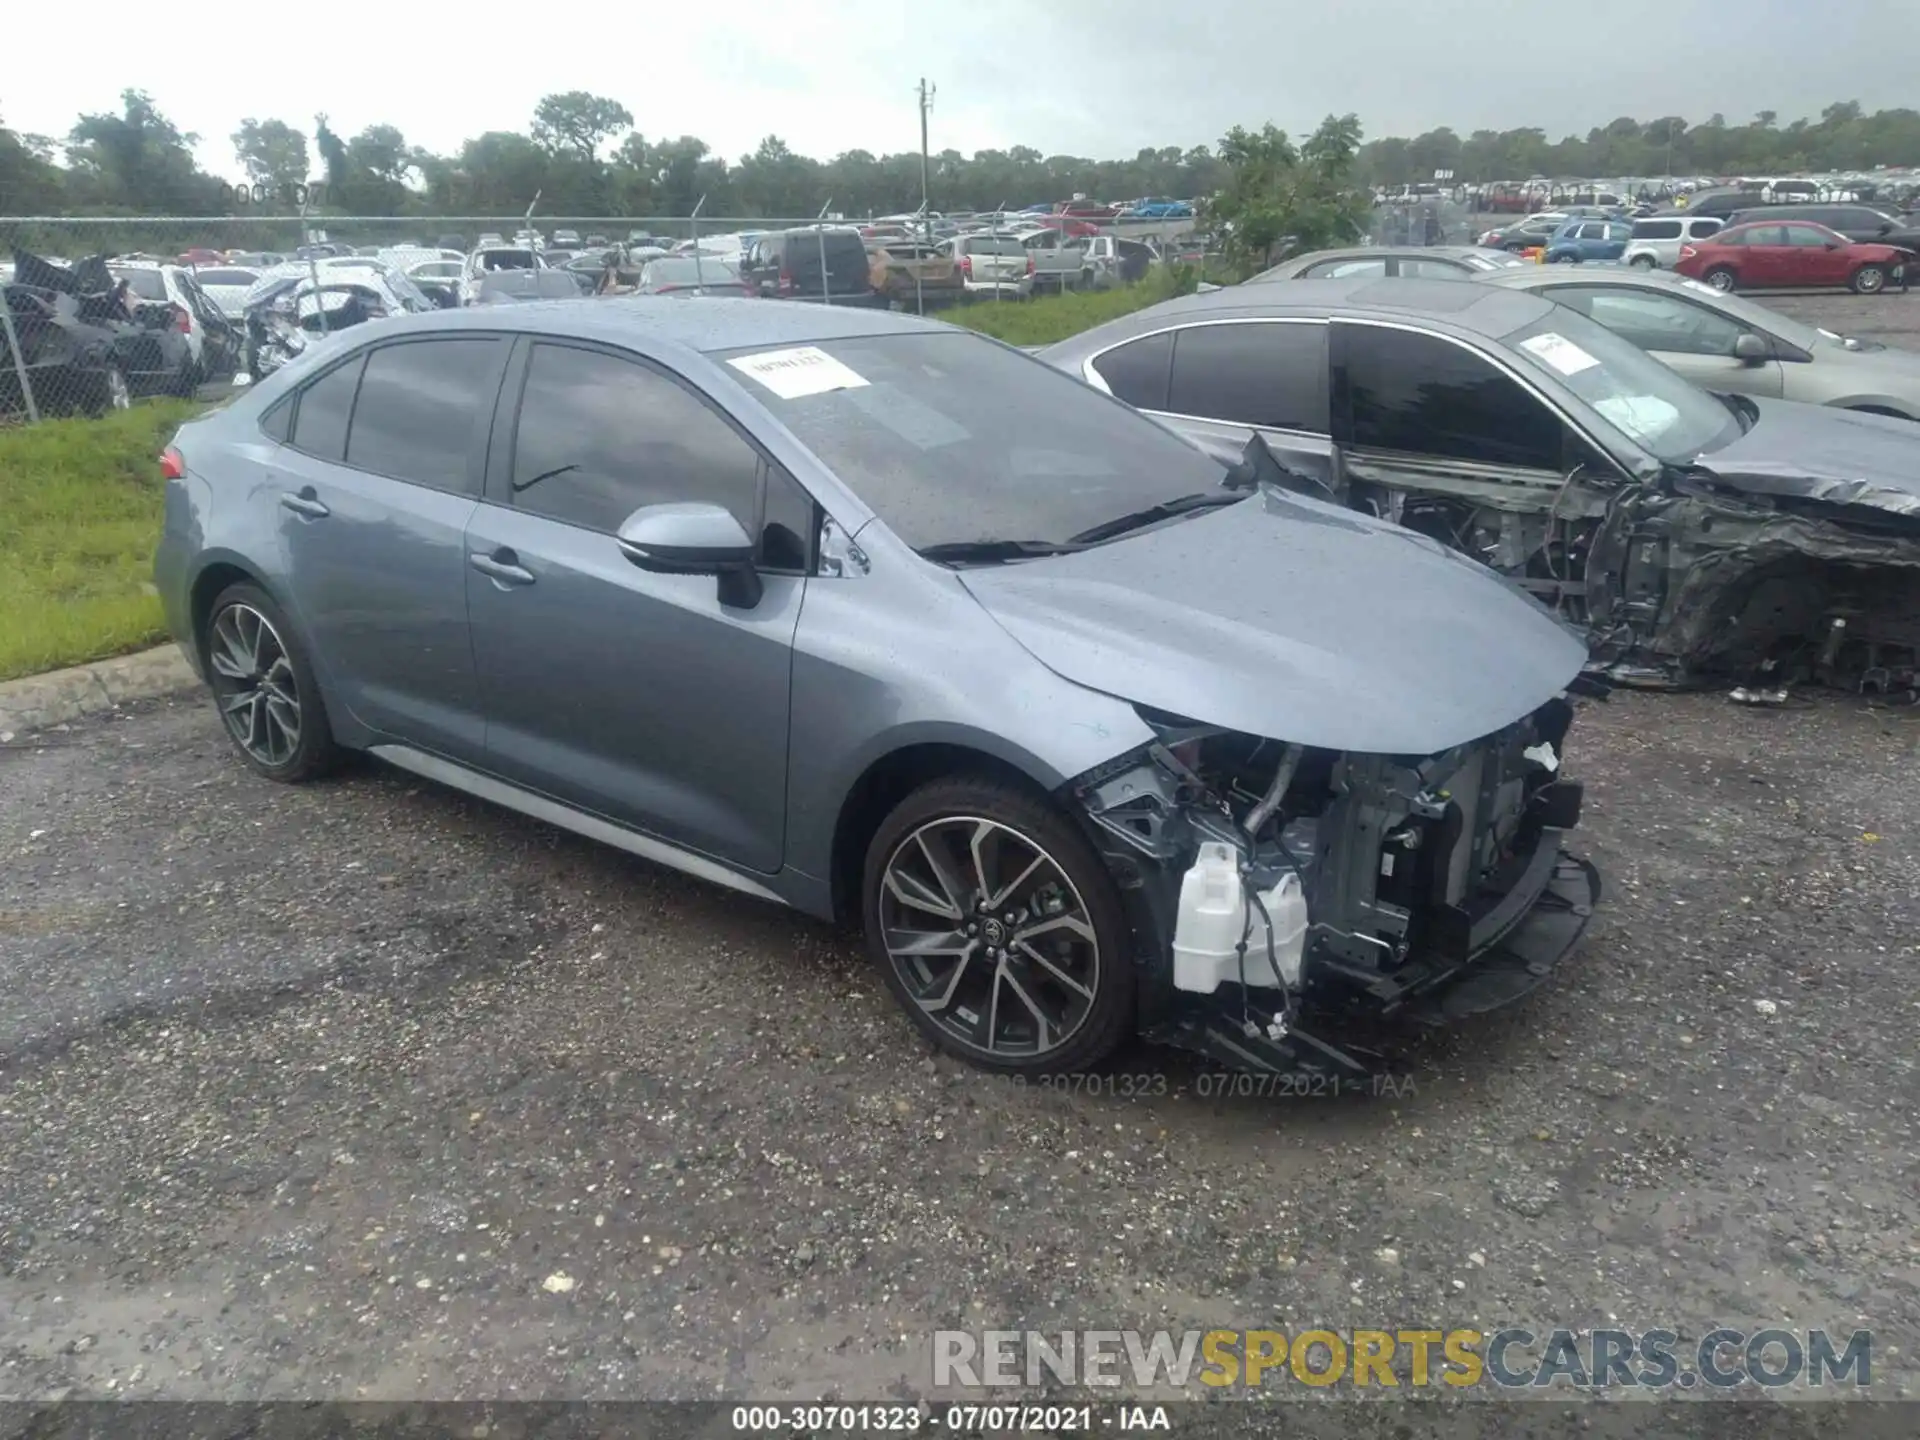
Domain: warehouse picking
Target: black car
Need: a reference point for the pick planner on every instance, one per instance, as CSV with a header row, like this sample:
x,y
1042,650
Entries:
x,y
819,263
86,344
1862,224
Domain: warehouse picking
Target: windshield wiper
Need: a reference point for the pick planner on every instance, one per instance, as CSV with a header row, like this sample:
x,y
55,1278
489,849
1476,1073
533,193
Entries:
x,y
994,552
1165,510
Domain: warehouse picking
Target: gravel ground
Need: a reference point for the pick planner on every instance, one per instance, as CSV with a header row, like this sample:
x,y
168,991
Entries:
x,y
313,1092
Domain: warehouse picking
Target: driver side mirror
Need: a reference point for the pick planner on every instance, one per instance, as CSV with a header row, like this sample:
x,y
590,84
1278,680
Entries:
x,y
1750,349
693,538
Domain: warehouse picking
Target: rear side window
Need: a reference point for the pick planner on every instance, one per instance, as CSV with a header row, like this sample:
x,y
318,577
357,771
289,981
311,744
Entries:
x,y
225,277
147,284
423,406
1137,371
1656,230
1264,373
320,424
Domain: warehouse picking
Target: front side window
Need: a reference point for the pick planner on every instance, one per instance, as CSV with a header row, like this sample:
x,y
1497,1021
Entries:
x,y
423,406
1419,394
1652,321
600,436
1268,374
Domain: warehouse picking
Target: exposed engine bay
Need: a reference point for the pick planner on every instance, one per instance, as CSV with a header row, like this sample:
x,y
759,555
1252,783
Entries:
x,y
1275,886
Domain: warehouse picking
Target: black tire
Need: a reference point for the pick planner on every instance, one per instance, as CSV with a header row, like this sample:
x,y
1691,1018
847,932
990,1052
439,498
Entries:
x,y
1105,1013
1644,262
312,751
1869,280
1722,279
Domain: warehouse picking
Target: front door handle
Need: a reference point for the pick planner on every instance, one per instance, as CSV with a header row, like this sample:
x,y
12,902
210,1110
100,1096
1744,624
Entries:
x,y
503,567
307,504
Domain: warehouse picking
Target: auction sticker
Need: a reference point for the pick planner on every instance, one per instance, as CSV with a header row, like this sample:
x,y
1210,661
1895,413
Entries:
x,y
804,370
1559,352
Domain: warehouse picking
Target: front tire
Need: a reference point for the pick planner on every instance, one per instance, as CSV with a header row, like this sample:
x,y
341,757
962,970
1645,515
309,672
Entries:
x,y
1869,280
998,929
264,688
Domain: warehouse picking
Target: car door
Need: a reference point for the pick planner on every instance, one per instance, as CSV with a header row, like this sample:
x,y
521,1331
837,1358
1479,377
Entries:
x,y
1766,257
640,697
1422,412
1685,335
372,490
1820,257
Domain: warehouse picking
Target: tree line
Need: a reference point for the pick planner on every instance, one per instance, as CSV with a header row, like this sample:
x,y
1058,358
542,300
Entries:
x,y
581,156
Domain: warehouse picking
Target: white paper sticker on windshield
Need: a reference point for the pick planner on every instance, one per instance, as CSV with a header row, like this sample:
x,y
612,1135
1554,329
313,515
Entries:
x,y
804,370
1559,352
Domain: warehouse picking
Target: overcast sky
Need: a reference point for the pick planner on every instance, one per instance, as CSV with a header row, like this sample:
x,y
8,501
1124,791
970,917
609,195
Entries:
x,y
1101,80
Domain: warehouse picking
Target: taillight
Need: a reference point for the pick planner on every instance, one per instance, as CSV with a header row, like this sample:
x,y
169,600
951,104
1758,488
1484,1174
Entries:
x,y
1029,265
173,465
786,281
1687,252
182,321
966,266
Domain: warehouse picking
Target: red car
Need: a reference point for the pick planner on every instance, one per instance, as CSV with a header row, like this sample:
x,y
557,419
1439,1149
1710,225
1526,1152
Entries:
x,y
1793,252
1084,210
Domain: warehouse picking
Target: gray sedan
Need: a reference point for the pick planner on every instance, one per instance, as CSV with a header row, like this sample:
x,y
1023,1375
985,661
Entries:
x,y
1416,262
1725,343
891,623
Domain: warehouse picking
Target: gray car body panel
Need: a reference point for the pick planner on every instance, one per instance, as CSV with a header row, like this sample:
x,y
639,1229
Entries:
x,y
1807,366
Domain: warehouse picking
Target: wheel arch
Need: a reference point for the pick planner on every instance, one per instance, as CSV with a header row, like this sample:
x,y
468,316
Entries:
x,y
890,777
216,573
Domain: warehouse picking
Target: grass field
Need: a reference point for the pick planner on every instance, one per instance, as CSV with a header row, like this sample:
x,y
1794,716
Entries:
x,y
80,499
79,515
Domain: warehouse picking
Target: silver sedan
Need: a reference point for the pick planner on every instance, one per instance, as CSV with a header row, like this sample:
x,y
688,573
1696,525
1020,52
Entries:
x,y
1725,343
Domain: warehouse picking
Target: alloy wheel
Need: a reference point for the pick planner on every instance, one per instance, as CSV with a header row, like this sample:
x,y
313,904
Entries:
x,y
1721,280
254,683
1869,279
989,936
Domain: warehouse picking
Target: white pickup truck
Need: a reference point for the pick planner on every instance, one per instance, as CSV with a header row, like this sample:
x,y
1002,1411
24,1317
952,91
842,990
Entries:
x,y
1059,260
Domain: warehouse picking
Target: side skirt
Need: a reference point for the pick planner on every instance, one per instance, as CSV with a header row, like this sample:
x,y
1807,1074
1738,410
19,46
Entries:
x,y
593,827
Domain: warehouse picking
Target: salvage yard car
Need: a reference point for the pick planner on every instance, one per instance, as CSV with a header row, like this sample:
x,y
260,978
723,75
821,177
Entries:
x,y
1797,253
889,622
1727,342
1692,536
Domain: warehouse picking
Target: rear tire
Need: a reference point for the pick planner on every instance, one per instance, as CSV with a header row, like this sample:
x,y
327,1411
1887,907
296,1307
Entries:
x,y
264,688
1644,262
998,929
1869,280
1721,279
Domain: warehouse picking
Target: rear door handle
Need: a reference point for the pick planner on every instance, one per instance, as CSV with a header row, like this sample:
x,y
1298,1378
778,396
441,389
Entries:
x,y
503,567
306,503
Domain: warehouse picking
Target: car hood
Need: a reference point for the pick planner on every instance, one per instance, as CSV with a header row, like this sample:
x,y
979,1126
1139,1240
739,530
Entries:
x,y
1815,452
1292,619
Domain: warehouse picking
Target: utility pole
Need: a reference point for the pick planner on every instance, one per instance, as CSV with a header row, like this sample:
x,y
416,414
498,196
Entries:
x,y
926,103
926,218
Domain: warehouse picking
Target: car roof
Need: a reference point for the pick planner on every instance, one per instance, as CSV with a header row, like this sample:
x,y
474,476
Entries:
x,y
718,324
1535,277
1462,304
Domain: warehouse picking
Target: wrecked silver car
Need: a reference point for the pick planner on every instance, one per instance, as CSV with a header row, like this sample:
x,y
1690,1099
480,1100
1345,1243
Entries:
x,y
886,621
1692,537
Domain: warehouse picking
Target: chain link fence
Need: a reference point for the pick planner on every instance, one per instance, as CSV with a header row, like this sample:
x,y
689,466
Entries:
x,y
101,312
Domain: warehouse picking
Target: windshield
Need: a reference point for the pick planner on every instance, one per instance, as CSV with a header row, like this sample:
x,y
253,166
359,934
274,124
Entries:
x,y
951,438
691,272
1656,409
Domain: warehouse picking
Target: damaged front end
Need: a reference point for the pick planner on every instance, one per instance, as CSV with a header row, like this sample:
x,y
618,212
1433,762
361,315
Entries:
x,y
1276,888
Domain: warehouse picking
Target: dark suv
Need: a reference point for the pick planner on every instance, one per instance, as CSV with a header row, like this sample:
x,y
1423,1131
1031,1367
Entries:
x,y
1861,224
819,263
